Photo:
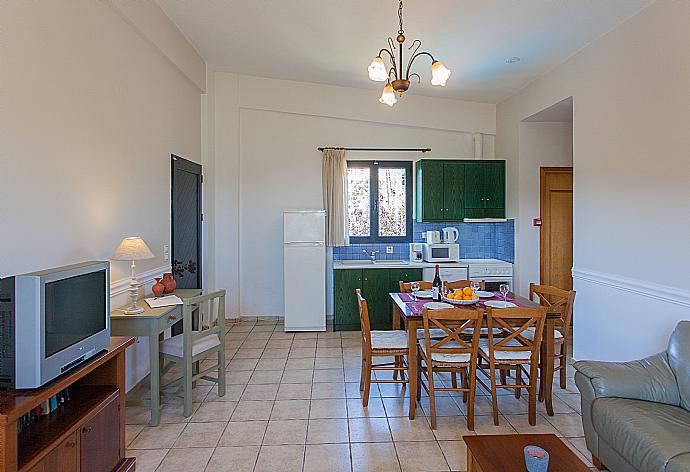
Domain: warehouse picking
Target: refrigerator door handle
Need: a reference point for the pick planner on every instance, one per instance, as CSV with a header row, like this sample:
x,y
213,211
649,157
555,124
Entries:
x,y
304,243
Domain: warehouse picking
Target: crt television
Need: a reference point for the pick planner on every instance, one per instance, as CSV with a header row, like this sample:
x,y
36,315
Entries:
x,y
51,321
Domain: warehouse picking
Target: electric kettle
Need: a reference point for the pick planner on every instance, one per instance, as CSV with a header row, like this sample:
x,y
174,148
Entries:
x,y
450,234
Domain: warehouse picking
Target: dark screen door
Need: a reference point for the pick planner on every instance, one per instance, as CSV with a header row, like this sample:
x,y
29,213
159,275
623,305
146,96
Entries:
x,y
186,222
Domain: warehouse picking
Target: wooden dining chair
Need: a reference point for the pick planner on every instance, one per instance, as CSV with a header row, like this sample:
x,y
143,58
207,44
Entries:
x,y
458,284
406,287
453,353
379,344
559,301
190,347
513,351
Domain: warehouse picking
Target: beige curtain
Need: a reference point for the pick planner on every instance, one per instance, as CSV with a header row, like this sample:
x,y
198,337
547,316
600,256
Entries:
x,y
334,177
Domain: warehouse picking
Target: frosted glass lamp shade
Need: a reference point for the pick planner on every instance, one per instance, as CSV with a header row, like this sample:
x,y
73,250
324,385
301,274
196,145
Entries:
x,y
388,95
439,73
132,249
377,70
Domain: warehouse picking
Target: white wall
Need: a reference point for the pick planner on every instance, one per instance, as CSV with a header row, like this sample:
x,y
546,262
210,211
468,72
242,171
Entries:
x,y
267,132
91,111
631,151
541,144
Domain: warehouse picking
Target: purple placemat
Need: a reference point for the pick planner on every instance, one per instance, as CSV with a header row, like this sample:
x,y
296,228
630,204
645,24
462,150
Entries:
x,y
416,306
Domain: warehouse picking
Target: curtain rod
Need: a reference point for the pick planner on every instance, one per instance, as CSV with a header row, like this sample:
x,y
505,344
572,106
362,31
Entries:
x,y
379,149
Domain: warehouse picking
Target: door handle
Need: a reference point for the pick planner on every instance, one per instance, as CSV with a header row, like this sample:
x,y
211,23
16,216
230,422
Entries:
x,y
71,444
87,429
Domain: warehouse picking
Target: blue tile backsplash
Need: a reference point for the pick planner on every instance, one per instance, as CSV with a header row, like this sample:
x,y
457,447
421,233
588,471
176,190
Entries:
x,y
477,241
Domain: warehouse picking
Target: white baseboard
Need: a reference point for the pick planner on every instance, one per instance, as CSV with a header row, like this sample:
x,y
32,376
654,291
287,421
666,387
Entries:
x,y
639,287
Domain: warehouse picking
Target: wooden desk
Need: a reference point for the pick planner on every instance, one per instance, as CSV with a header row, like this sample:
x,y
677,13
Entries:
x,y
153,322
505,452
413,321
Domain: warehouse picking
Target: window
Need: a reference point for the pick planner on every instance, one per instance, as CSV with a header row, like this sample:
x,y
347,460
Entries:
x,y
379,201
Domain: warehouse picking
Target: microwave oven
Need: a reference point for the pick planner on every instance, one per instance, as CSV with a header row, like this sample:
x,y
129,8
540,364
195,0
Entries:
x,y
441,252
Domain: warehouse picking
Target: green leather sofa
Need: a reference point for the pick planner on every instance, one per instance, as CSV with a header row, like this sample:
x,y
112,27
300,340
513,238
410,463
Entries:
x,y
636,415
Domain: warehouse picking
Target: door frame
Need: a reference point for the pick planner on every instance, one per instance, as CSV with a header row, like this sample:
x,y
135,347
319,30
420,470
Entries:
x,y
543,172
192,167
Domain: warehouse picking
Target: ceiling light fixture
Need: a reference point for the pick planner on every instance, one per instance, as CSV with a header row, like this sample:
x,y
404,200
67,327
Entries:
x,y
401,82
512,60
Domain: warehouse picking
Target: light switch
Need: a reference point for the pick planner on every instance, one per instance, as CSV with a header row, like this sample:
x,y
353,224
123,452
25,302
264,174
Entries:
x,y
389,249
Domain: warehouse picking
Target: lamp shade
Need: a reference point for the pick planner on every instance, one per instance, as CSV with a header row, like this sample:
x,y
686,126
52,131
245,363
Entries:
x,y
439,73
388,95
132,249
377,70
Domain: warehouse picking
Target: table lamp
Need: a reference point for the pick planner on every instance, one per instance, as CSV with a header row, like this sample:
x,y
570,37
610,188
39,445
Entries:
x,y
133,249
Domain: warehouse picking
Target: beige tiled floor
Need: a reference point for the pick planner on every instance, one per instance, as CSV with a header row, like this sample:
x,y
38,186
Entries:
x,y
293,404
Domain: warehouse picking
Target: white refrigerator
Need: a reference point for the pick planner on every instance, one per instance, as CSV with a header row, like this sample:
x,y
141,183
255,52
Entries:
x,y
304,270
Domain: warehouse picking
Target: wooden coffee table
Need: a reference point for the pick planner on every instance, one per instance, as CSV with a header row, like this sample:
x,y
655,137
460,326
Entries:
x,y
504,453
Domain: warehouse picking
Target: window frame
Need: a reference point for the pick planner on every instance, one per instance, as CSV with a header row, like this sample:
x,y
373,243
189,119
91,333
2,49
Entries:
x,y
374,166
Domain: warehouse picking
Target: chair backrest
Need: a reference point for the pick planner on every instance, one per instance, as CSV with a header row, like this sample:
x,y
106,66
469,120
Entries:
x,y
210,303
457,284
364,320
406,287
678,353
513,322
453,322
555,300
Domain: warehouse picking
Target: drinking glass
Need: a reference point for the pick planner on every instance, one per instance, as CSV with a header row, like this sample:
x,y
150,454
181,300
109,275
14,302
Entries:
x,y
414,286
474,285
504,291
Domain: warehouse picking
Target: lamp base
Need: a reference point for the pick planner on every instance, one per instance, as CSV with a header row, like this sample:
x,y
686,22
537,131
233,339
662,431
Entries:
x,y
134,310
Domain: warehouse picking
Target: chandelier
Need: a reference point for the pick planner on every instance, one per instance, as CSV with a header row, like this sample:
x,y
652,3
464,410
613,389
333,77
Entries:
x,y
401,82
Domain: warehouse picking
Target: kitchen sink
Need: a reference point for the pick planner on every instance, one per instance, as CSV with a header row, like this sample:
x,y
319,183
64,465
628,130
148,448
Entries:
x,y
391,262
383,262
358,262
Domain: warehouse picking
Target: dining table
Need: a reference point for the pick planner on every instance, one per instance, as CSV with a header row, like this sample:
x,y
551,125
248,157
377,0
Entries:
x,y
407,308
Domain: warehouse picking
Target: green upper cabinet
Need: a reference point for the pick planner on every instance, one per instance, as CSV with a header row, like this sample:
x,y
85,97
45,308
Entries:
x,y
485,183
440,191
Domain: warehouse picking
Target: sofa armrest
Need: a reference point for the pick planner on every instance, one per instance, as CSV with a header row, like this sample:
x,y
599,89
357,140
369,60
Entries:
x,y
650,379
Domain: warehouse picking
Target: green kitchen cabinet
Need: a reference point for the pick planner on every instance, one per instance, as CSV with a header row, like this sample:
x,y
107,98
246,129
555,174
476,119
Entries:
x,y
346,312
440,190
485,183
375,284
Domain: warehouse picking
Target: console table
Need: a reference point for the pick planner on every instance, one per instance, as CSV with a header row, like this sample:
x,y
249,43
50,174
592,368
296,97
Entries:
x,y
85,433
153,322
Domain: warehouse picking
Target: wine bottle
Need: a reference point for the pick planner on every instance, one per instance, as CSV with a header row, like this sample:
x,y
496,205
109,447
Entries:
x,y
437,286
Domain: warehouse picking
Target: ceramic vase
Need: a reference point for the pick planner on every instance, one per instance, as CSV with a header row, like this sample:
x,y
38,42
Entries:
x,y
168,282
536,459
158,288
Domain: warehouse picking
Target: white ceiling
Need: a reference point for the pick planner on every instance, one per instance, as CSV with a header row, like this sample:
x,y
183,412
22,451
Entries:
x,y
561,112
333,41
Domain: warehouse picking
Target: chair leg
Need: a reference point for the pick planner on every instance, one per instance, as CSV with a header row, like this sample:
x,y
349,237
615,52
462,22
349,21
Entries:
x,y
396,363
533,398
494,395
564,364
221,373
463,383
367,383
432,397
454,379
518,381
188,373
419,378
470,400
504,376
362,372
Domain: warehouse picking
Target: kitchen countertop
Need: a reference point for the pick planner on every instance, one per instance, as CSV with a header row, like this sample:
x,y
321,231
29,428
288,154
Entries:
x,y
384,264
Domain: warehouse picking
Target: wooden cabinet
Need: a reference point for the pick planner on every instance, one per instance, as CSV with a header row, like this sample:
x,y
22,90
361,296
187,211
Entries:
x,y
65,457
100,441
450,190
440,192
375,284
485,184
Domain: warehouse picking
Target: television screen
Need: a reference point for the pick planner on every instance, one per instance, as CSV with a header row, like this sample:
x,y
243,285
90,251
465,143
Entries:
x,y
75,308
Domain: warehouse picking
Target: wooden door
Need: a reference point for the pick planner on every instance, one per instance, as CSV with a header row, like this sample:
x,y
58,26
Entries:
x,y
453,191
375,285
430,190
556,238
346,312
100,440
64,458
186,222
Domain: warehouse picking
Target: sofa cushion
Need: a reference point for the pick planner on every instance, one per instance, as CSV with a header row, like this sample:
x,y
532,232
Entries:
x,y
680,463
679,359
649,435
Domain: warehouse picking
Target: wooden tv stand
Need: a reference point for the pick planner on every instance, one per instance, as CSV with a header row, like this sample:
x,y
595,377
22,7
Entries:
x,y
85,434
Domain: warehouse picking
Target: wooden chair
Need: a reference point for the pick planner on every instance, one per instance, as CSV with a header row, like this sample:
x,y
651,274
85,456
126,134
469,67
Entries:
x,y
513,351
379,343
406,287
191,347
453,353
462,284
559,301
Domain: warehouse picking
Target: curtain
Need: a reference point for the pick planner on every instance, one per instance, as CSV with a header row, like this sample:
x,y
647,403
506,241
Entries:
x,y
334,177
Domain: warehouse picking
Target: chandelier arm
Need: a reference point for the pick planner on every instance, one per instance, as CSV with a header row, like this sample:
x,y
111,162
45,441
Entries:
x,y
415,42
415,56
392,57
419,79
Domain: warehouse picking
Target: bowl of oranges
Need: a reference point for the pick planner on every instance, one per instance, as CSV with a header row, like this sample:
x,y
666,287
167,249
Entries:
x,y
462,296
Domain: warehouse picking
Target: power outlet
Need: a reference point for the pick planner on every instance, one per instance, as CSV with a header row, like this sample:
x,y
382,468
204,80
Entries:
x,y
389,249
166,252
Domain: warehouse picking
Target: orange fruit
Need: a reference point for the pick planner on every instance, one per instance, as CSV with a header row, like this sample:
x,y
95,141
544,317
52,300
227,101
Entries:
x,y
467,291
467,297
